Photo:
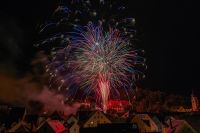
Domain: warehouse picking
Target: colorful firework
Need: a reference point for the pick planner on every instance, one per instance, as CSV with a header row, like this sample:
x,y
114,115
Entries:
x,y
102,62
98,59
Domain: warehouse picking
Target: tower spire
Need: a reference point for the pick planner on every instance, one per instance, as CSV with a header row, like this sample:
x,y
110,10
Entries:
x,y
194,102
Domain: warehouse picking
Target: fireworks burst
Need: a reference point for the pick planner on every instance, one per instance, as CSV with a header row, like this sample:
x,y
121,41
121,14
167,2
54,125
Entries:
x,y
101,62
98,59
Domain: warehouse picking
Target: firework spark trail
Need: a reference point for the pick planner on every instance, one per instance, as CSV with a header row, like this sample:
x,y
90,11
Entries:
x,y
104,61
103,90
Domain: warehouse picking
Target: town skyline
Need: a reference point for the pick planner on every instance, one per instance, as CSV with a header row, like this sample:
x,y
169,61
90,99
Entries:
x,y
81,66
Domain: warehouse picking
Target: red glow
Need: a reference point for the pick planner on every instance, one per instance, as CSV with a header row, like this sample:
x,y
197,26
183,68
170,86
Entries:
x,y
118,105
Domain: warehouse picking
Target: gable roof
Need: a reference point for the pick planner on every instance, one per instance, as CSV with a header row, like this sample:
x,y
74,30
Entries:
x,y
98,113
55,125
85,116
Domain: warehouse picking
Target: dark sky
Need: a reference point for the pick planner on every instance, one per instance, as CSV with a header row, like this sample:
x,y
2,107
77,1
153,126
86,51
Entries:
x,y
168,31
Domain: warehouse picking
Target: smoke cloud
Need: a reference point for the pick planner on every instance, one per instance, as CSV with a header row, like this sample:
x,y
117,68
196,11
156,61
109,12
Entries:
x,y
53,102
13,91
20,92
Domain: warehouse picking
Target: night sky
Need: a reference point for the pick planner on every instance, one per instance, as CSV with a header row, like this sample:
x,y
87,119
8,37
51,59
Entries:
x,y
167,31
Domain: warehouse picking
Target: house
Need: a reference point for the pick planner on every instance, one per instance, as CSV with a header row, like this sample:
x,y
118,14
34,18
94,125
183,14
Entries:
x,y
72,124
73,127
86,119
96,118
51,126
72,119
92,118
145,123
180,126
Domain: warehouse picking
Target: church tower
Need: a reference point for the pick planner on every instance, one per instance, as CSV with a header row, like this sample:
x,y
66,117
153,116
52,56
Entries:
x,y
195,102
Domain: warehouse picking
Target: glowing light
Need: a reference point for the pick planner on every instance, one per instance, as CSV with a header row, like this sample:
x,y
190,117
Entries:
x,y
103,61
103,90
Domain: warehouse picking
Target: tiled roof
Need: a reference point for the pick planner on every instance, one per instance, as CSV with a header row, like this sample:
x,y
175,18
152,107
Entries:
x,y
57,126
